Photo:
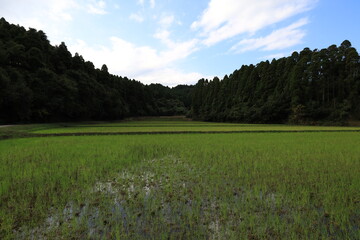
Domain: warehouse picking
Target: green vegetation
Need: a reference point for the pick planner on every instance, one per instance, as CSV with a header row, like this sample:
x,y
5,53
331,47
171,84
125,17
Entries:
x,y
185,127
306,87
16,131
44,83
157,125
256,181
192,186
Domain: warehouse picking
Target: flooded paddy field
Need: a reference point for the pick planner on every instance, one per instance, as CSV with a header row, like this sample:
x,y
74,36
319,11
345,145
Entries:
x,y
181,186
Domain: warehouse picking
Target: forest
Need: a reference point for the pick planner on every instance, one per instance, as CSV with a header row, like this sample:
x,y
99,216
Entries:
x,y
310,87
44,83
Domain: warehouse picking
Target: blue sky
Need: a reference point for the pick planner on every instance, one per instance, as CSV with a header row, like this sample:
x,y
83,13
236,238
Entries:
x,y
180,41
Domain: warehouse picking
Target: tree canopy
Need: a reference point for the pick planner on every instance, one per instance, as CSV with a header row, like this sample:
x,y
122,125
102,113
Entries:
x,y
41,83
304,88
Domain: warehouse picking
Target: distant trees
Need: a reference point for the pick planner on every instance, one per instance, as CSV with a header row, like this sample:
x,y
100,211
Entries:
x,y
40,83
171,101
306,87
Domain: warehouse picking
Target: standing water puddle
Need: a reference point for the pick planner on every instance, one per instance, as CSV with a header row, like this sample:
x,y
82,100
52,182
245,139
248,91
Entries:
x,y
156,197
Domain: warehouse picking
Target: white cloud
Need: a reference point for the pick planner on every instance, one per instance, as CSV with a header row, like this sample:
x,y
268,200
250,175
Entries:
x,y
272,56
278,39
224,19
97,7
152,3
179,50
51,16
166,21
143,63
170,77
137,17
51,9
164,37
142,3
163,34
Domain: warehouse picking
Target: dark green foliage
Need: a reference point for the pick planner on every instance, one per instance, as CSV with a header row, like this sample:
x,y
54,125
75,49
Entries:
x,y
171,101
42,83
183,93
307,87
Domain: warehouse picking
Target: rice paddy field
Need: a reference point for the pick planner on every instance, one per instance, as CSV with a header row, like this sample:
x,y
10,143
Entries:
x,y
238,181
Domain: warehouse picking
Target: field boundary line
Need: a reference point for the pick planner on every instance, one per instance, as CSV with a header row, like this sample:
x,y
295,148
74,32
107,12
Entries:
x,y
30,135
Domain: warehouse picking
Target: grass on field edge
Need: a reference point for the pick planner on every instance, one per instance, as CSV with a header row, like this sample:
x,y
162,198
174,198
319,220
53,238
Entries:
x,y
11,135
31,130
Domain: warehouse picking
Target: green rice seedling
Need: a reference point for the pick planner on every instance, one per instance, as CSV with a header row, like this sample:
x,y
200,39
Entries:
x,y
181,126
182,186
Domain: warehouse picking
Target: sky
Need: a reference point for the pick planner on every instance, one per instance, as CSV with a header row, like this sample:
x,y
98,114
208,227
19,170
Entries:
x,y
181,41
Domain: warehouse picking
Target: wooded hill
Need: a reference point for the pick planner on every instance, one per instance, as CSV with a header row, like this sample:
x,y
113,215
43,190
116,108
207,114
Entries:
x,y
42,83
310,87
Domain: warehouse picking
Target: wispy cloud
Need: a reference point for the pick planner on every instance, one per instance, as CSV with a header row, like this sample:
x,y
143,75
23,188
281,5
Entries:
x,y
137,17
164,36
279,39
163,32
142,3
272,56
127,59
166,21
51,9
97,7
224,19
51,16
221,20
170,77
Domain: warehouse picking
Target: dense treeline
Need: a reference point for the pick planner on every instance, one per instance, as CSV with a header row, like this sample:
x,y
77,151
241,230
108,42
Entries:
x,y
171,101
307,87
40,82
